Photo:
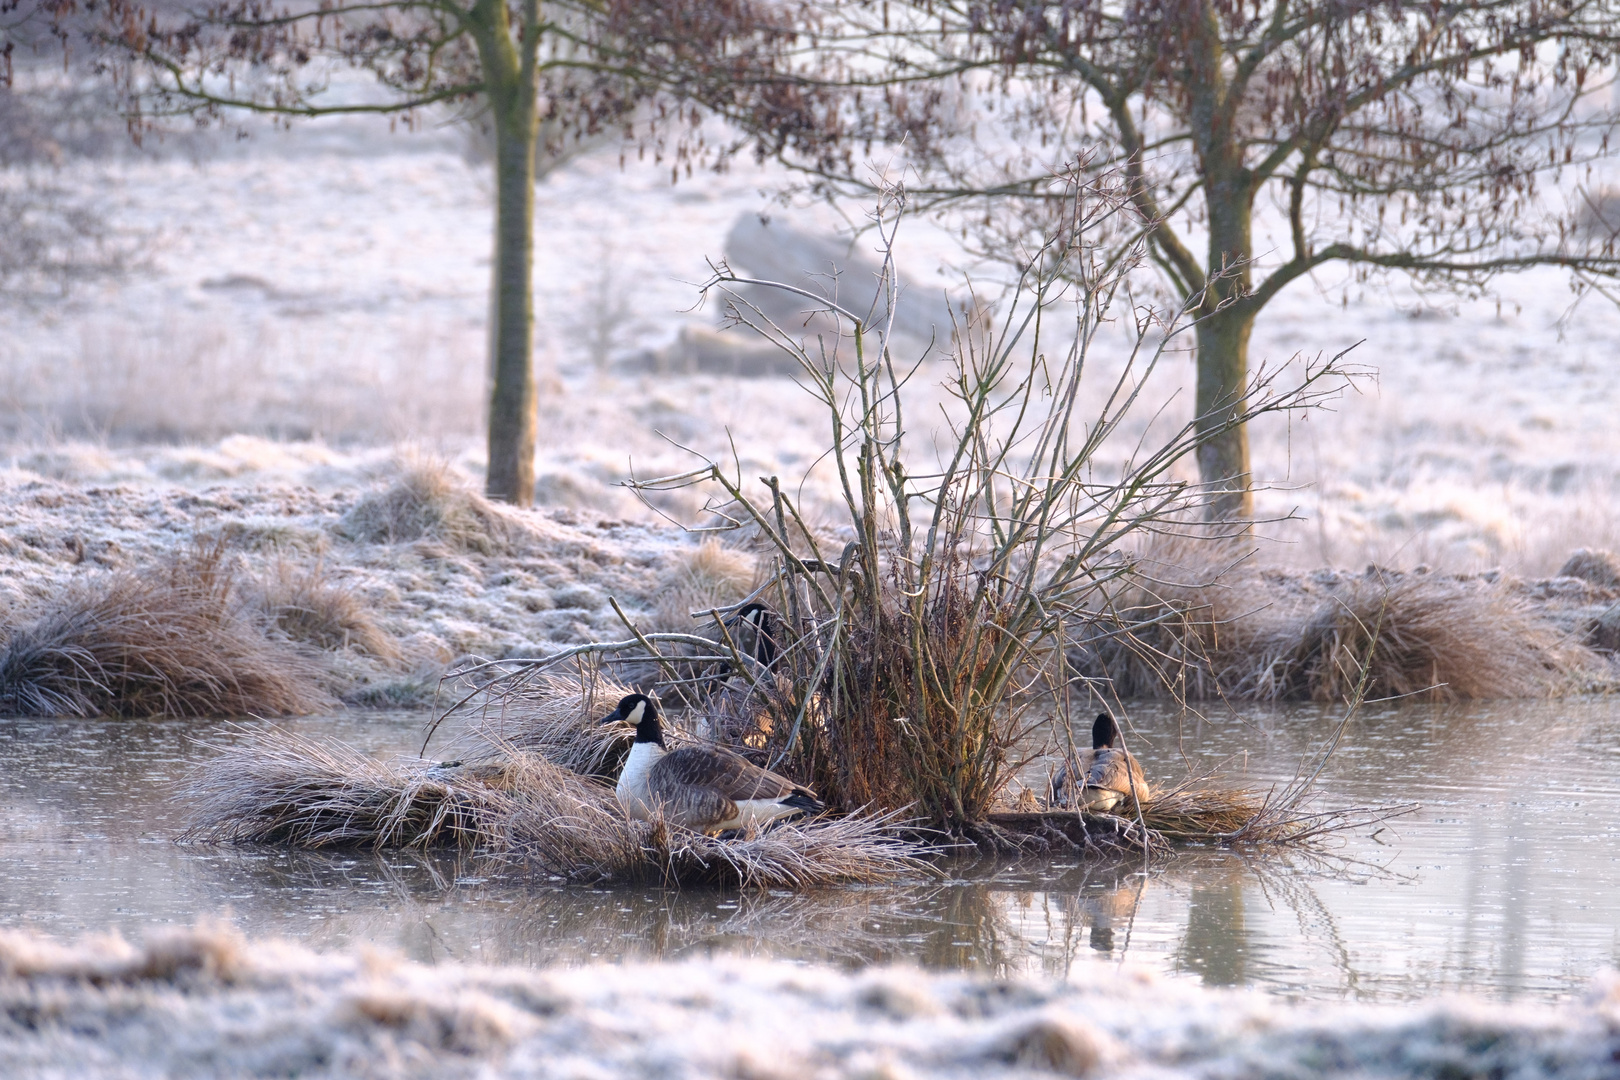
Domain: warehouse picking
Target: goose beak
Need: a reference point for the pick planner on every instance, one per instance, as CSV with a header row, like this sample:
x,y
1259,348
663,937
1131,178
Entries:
x,y
610,718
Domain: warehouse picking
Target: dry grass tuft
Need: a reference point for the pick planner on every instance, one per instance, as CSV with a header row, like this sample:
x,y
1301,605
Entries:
x,y
285,789
1421,634
701,578
1601,568
518,806
171,642
1187,629
1203,811
303,603
1198,811
794,855
428,501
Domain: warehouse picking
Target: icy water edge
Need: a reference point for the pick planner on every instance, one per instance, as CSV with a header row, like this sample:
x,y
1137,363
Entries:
x,y
1506,884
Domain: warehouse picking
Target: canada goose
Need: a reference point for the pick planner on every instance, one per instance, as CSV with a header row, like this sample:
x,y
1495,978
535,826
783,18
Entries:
x,y
742,709
760,640
1110,772
699,787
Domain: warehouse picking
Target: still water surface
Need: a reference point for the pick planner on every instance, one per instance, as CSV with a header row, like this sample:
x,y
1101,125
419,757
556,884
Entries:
x,y
1505,884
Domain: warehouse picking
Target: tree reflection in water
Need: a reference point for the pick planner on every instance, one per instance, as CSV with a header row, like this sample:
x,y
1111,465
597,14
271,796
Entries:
x,y
1002,919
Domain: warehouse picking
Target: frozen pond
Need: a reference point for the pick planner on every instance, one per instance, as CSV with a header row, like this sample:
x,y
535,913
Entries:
x,y
1505,884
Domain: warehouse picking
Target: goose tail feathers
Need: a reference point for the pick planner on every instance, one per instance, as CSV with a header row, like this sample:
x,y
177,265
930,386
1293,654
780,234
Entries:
x,y
803,800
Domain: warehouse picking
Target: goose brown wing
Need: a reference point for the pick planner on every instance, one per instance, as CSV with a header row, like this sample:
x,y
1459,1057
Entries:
x,y
734,777
691,807
1117,770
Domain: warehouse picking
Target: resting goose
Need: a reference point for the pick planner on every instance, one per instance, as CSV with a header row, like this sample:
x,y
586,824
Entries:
x,y
1110,773
703,788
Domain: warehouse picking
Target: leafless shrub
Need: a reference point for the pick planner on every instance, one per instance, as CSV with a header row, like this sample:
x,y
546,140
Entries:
x,y
170,642
516,806
306,605
428,501
909,660
903,670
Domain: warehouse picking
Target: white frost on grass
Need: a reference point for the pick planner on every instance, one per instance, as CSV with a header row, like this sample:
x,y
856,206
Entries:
x,y
546,581
207,1002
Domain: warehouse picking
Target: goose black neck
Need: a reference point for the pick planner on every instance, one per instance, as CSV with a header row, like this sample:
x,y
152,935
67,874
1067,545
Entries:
x,y
758,616
649,730
1103,732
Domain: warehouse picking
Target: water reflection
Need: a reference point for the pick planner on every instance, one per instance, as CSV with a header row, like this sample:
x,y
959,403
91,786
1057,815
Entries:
x,y
1491,889
1216,942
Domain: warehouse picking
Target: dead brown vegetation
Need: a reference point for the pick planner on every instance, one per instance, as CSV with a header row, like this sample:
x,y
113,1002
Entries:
x,y
1423,634
1197,629
1200,810
428,501
555,715
515,806
167,641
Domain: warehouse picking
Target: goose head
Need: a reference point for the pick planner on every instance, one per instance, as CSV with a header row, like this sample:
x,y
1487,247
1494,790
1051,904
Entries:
x,y
1104,732
638,710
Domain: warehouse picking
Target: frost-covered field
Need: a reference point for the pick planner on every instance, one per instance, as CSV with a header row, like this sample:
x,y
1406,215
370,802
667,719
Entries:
x,y
308,313
329,286
207,1003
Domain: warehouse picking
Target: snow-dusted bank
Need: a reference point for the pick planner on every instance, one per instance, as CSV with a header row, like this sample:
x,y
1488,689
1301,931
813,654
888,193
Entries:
x,y
207,1002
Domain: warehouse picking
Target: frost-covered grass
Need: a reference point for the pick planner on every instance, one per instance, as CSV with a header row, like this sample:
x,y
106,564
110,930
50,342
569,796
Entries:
x,y
206,1002
382,614
385,573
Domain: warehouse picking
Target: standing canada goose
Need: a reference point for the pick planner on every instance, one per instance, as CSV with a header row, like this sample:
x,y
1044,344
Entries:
x,y
703,788
1110,773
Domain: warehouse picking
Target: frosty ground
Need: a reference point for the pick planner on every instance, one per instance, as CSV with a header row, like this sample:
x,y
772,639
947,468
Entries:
x,y
331,284
206,1002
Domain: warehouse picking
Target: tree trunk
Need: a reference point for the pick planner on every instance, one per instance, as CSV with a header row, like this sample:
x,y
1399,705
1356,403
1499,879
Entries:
x,y
1223,444
509,81
512,420
1225,320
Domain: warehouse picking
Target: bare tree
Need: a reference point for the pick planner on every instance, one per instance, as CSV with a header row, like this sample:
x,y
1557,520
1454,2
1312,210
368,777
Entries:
x,y
1420,136
567,68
